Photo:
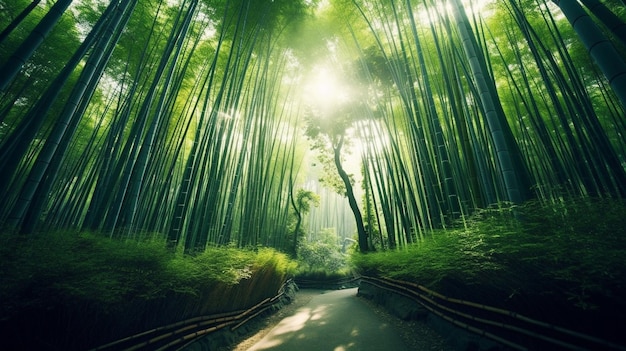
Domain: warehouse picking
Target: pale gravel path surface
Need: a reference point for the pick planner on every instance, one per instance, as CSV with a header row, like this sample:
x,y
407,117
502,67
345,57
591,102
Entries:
x,y
411,335
336,320
302,297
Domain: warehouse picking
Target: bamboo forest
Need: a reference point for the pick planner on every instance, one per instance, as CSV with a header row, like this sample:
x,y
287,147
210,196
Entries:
x,y
170,161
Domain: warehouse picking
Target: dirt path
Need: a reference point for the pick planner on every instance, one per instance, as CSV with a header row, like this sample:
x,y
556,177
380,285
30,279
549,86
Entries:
x,y
338,320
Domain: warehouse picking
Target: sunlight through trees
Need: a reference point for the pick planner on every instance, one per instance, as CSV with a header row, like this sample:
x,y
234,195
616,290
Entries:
x,y
202,120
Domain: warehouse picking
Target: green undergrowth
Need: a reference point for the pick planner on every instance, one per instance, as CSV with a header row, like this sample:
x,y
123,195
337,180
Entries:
x,y
105,289
322,260
323,275
50,269
572,251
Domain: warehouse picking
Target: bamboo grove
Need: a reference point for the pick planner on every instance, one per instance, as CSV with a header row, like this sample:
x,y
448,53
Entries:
x,y
187,117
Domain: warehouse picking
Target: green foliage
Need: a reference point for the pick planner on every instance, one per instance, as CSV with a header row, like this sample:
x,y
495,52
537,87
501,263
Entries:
x,y
67,265
267,258
329,176
428,262
573,249
322,255
58,267
321,275
306,198
224,265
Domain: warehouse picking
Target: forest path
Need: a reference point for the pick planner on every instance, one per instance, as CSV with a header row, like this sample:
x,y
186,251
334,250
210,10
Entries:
x,y
334,321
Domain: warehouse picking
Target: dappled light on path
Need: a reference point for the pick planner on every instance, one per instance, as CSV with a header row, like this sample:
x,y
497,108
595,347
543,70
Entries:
x,y
335,320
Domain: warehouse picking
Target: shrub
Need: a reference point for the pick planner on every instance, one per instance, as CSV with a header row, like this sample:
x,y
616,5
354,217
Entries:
x,y
64,266
102,289
324,254
573,248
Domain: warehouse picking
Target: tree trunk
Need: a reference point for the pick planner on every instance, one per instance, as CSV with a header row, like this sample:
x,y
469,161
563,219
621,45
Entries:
x,y
602,50
296,231
17,20
362,234
511,172
450,192
58,140
141,164
608,18
15,146
12,67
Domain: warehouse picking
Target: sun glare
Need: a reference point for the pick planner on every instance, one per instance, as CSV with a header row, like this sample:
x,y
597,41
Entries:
x,y
324,88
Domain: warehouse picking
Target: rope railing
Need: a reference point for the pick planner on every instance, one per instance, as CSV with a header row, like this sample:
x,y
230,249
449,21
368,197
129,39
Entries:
x,y
187,331
480,314
420,299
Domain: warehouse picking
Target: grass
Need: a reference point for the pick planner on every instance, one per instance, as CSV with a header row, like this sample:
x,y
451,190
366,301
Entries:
x,y
535,258
107,288
88,266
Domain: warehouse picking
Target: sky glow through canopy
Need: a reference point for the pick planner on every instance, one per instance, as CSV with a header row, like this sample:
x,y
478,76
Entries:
x,y
324,89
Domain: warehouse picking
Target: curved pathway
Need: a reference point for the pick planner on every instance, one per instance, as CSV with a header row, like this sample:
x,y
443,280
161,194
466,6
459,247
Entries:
x,y
333,321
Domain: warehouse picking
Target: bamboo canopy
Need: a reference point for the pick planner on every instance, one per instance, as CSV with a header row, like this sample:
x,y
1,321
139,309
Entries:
x,y
196,119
